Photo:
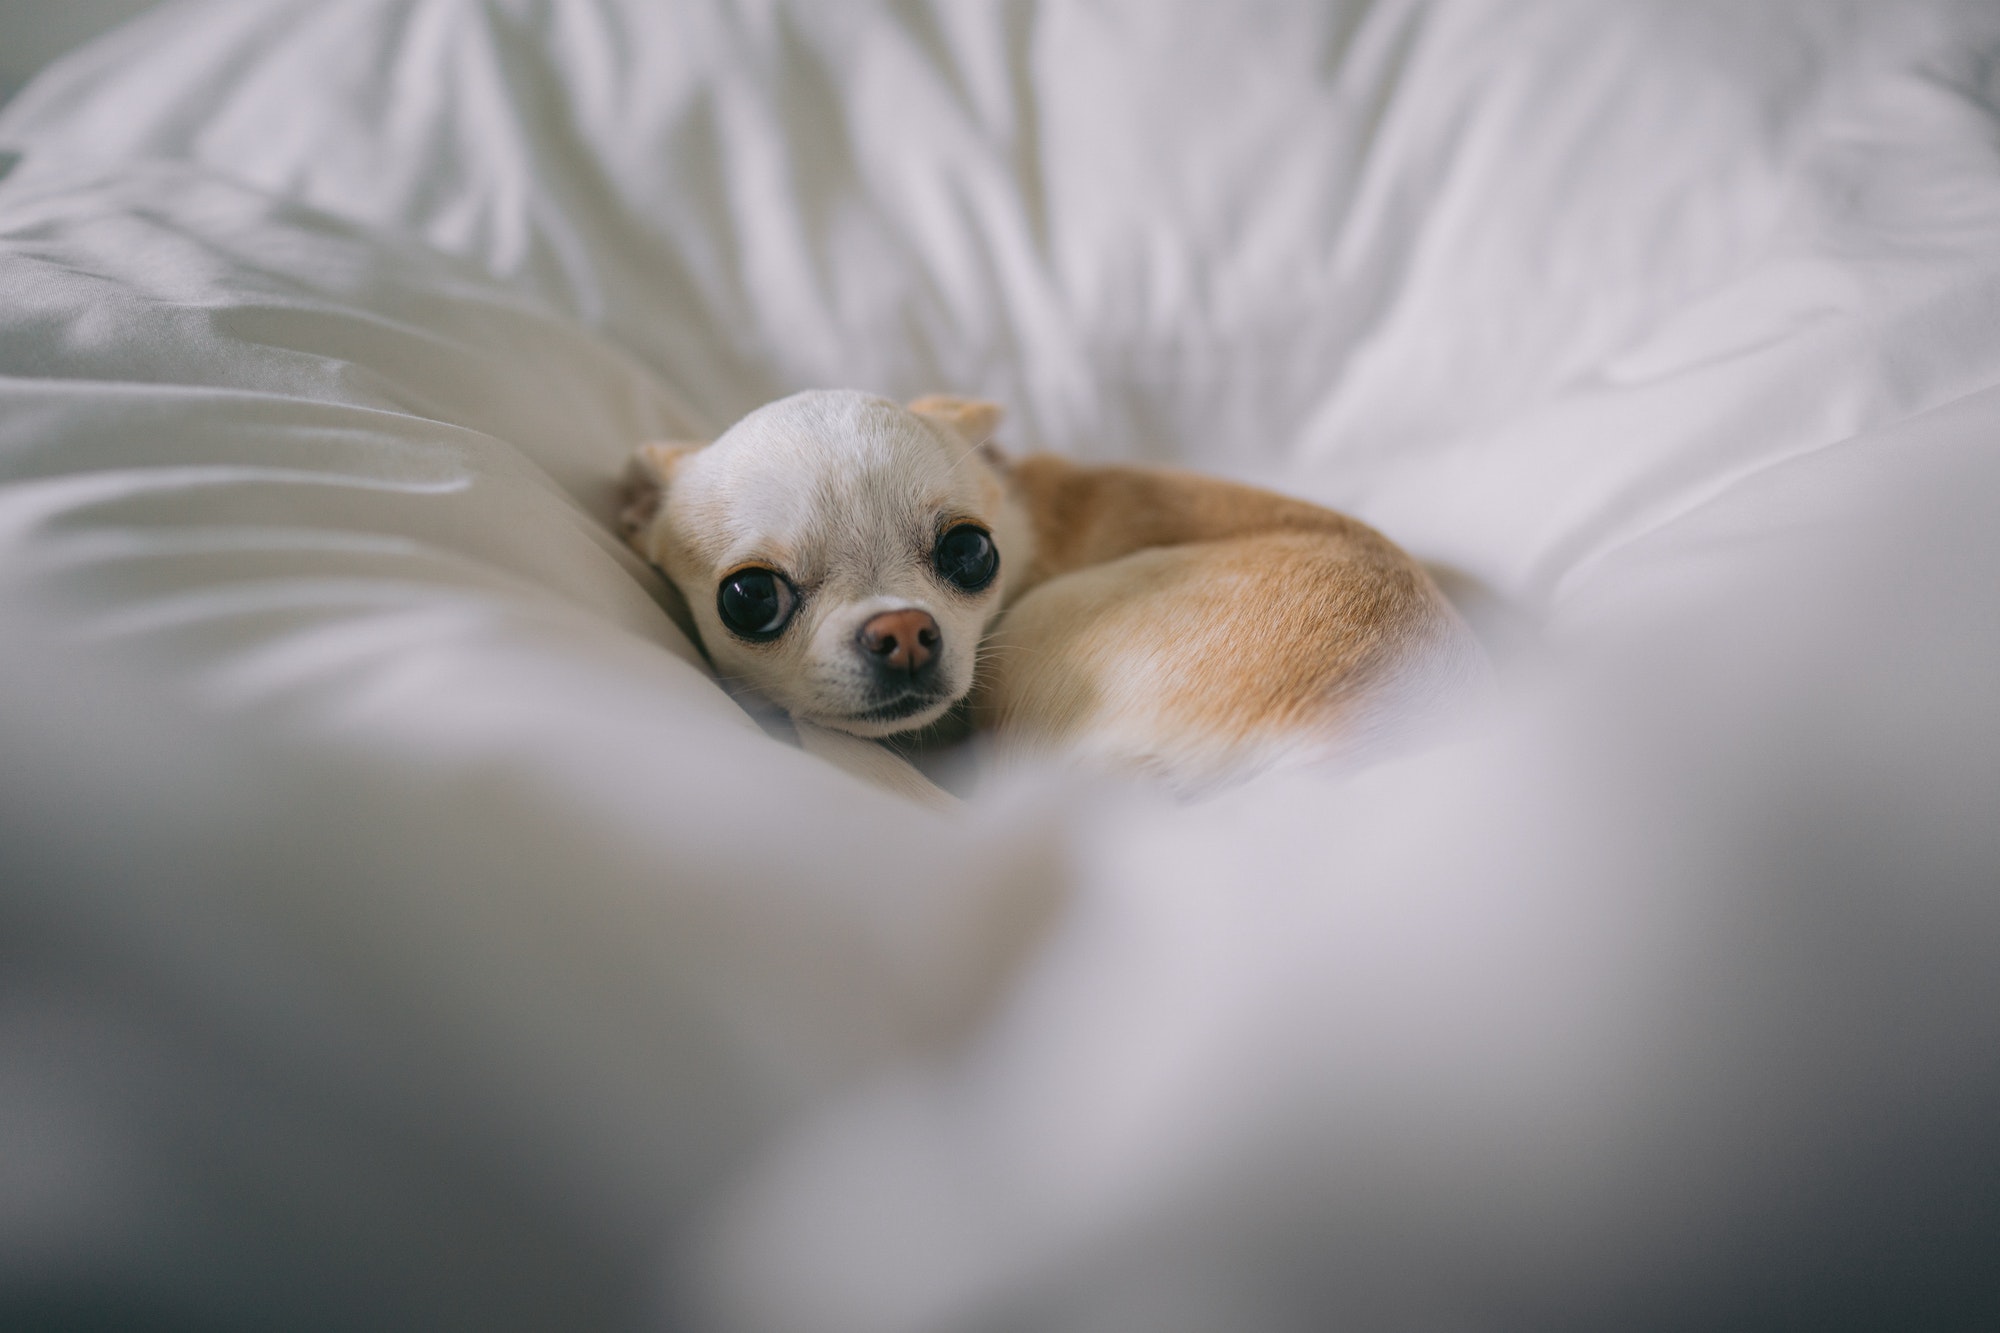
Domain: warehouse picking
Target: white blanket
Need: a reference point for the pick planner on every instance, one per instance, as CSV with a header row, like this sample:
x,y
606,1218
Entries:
x,y
402,928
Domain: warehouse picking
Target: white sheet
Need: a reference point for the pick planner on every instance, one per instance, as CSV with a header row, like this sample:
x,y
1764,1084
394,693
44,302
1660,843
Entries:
x,y
389,884
1424,260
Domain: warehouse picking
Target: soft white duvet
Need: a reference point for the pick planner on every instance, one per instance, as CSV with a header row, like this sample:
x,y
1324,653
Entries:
x,y
400,928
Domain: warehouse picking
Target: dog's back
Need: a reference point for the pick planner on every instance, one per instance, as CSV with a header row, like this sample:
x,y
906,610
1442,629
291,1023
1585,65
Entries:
x,y
1195,628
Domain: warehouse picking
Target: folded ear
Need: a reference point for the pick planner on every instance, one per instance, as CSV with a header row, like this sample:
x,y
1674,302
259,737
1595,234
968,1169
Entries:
x,y
971,419
647,476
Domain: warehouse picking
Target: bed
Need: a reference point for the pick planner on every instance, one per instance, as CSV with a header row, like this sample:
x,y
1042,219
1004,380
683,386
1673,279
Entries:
x,y
402,928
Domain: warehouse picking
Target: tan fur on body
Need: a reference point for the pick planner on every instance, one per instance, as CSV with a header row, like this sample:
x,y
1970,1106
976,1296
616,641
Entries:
x,y
1186,625
1145,618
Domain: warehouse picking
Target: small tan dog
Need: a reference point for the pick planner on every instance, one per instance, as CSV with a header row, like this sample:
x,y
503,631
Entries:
x,y
866,566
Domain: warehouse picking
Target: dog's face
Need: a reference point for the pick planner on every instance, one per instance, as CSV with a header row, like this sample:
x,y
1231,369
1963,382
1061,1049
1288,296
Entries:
x,y
842,555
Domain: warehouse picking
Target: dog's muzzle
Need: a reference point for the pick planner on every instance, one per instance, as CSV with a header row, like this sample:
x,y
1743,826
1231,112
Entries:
x,y
903,649
901,645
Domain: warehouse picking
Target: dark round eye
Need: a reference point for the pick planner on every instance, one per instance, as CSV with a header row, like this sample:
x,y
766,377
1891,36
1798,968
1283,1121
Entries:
x,y
756,604
966,556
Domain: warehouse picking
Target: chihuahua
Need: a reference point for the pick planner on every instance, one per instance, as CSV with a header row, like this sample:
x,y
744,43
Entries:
x,y
867,567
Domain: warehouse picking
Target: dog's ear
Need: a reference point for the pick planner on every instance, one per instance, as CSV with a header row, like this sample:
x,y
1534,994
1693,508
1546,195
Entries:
x,y
647,476
971,419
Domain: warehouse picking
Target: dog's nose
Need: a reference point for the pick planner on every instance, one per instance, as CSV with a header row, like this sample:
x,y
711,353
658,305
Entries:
x,y
901,640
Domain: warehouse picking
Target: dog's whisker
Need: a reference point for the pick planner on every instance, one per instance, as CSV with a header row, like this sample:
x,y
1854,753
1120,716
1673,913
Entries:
x,y
999,652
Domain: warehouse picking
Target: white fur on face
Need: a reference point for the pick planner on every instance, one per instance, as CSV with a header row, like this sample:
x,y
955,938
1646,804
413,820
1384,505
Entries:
x,y
845,495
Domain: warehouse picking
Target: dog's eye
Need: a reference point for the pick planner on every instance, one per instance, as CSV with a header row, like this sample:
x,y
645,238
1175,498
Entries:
x,y
756,604
966,556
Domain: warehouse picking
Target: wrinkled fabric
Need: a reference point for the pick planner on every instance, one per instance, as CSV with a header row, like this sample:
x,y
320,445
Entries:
x,y
1516,282
402,928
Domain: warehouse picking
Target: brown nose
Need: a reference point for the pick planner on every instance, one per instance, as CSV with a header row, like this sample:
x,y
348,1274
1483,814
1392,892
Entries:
x,y
901,640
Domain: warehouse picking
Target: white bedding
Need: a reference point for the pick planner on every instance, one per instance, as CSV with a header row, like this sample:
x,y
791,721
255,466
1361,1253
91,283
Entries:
x,y
402,928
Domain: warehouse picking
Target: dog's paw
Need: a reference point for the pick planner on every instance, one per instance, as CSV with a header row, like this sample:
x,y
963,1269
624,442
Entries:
x,y
875,764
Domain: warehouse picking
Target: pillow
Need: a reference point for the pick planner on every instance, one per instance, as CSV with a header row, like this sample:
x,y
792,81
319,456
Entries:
x,y
1517,282
376,857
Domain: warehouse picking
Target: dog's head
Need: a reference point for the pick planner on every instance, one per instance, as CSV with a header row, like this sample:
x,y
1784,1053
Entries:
x,y
842,555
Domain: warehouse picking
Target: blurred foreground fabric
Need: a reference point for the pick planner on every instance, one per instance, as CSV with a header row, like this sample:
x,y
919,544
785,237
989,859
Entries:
x,y
400,928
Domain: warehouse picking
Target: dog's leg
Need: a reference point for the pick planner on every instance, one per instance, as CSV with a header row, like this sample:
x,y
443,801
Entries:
x,y
873,763
1217,657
